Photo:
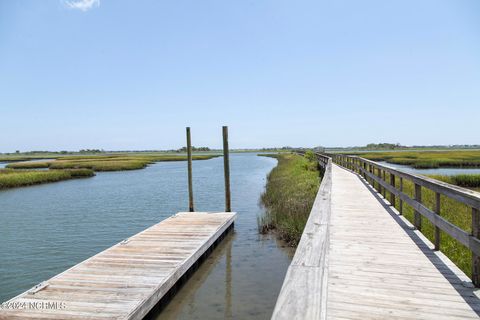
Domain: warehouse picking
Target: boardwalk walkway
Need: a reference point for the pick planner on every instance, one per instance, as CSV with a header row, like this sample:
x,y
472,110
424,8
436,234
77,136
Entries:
x,y
381,269
128,279
359,259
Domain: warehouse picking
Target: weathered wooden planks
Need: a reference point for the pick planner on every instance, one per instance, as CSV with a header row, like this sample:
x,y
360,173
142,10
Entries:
x,y
128,279
359,259
379,268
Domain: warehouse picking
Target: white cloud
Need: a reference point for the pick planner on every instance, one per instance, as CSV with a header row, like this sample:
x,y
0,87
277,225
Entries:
x,y
82,5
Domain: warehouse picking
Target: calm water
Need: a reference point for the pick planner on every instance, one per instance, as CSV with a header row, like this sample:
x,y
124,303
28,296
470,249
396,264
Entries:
x,y
46,229
437,171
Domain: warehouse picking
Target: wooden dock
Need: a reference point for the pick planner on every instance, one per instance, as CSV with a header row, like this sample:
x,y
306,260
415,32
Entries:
x,y
359,258
127,280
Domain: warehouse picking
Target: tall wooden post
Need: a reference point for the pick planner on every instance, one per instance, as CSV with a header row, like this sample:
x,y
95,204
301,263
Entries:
x,y
189,160
226,168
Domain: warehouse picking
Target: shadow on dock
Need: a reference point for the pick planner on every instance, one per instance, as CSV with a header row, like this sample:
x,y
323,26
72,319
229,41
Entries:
x,y
464,288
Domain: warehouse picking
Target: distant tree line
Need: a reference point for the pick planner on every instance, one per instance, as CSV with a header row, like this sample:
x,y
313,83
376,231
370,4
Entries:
x,y
384,146
184,149
91,151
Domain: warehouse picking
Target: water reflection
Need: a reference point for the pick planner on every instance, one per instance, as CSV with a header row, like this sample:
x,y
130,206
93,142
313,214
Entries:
x,y
225,288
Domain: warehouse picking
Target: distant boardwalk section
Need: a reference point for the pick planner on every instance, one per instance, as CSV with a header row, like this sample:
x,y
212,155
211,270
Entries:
x,y
128,279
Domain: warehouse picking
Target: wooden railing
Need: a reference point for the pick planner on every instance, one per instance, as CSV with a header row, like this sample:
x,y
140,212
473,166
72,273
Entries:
x,y
377,174
323,159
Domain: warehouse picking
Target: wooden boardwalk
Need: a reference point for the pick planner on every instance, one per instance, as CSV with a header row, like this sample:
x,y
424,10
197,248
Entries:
x,y
359,259
128,279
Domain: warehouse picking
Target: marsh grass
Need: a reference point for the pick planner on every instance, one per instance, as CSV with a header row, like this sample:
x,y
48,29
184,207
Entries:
x,y
104,163
453,211
428,159
10,178
289,195
462,180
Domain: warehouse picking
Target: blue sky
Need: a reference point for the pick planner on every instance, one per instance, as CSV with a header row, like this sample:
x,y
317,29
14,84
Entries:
x,y
132,74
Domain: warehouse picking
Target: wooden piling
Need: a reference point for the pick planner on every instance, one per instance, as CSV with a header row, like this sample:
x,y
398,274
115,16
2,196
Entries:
x,y
190,179
226,168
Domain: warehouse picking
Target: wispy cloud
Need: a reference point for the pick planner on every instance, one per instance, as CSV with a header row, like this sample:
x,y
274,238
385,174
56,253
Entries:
x,y
83,5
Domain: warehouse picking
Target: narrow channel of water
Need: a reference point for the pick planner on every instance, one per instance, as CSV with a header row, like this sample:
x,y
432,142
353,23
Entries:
x,y
433,171
45,229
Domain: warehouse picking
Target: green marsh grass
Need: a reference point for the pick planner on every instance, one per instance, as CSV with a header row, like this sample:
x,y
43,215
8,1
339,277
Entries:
x,y
428,159
289,195
10,178
471,181
104,162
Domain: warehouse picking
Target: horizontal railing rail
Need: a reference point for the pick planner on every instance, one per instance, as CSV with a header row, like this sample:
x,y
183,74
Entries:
x,y
376,174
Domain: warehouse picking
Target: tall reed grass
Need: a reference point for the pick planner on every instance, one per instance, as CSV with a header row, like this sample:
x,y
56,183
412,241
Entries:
x,y
289,195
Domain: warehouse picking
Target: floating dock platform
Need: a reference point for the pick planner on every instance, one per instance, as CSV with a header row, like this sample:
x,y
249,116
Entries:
x,y
127,280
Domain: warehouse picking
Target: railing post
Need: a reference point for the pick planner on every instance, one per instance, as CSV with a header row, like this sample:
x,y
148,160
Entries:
x,y
226,168
392,195
370,169
189,160
379,171
417,217
383,188
437,229
475,258
401,201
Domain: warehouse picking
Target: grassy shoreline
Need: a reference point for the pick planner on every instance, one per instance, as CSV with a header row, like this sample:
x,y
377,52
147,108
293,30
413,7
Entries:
x,y
289,195
428,159
20,174
103,163
10,178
